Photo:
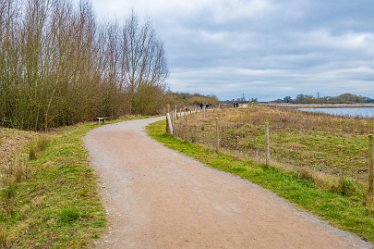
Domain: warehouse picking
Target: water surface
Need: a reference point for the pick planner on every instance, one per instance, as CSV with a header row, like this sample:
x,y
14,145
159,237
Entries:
x,y
351,112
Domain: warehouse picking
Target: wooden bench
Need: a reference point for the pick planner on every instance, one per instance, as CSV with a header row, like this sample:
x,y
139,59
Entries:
x,y
100,120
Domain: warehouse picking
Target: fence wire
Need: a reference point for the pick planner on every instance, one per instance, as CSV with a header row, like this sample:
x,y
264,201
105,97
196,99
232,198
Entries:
x,y
327,146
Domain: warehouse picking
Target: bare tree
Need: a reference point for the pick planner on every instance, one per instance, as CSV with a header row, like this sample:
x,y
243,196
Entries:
x,y
143,59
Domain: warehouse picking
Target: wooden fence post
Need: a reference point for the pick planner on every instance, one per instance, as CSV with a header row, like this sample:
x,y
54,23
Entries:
x,y
217,134
167,119
194,136
203,131
267,143
169,125
371,168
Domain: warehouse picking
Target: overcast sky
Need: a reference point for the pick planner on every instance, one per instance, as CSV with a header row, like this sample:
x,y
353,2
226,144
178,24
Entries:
x,y
263,48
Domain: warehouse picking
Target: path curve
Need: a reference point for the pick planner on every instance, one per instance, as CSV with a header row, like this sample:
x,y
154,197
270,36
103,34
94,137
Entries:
x,y
158,198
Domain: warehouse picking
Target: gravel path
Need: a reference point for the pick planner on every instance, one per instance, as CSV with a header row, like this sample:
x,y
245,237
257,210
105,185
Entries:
x,y
158,198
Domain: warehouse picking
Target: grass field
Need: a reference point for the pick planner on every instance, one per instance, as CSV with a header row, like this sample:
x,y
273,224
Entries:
x,y
326,147
49,195
349,213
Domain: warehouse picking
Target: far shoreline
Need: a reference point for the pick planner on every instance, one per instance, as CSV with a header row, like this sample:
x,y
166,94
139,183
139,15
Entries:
x,y
355,105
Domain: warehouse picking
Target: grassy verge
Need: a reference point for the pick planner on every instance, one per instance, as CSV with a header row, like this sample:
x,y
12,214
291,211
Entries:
x,y
55,203
342,211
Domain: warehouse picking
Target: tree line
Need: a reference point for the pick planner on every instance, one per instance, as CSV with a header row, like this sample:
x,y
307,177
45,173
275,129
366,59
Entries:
x,y
346,98
58,66
178,99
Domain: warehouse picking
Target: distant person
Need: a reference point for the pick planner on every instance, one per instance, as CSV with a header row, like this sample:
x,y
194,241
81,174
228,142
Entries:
x,y
201,106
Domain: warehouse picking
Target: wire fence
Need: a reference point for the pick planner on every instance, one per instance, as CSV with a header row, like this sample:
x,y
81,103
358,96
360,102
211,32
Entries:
x,y
325,145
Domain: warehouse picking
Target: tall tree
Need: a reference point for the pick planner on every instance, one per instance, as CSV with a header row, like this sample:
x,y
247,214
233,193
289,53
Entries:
x,y
143,58
59,67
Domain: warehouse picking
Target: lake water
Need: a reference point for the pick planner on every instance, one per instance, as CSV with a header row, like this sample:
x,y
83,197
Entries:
x,y
352,112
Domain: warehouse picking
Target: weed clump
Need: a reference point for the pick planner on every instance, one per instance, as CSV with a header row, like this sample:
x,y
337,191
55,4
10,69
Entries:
x,y
8,196
38,146
18,170
3,238
306,174
349,187
42,143
32,153
69,215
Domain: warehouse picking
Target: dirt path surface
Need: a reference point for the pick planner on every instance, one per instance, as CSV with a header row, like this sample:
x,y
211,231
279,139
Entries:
x,y
158,198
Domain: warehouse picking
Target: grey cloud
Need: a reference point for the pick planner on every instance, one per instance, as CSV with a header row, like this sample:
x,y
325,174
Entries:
x,y
264,48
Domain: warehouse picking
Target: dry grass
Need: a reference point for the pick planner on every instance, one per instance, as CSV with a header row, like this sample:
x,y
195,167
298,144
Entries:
x,y
42,143
19,170
38,146
13,166
14,169
3,238
12,143
8,196
322,147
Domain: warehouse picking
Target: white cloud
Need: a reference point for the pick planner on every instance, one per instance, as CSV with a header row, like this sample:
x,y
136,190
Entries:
x,y
220,10
348,40
228,10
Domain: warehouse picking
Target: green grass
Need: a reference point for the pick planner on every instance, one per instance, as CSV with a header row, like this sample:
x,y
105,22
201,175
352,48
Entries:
x,y
344,212
57,206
